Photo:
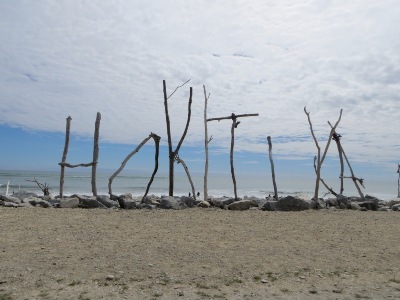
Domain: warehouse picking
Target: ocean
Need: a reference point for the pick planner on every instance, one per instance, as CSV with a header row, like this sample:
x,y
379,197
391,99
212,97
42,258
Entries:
x,y
259,185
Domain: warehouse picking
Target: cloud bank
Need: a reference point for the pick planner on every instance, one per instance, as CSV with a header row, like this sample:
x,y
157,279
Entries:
x,y
60,58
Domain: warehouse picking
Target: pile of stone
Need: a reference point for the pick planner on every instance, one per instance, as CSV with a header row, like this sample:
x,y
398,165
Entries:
x,y
127,201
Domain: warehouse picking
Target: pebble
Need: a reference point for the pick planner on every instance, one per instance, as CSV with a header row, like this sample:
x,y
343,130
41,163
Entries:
x,y
264,280
110,277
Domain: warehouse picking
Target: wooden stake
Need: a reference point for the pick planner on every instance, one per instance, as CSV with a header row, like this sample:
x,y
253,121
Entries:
x,y
95,153
206,142
64,157
156,139
272,168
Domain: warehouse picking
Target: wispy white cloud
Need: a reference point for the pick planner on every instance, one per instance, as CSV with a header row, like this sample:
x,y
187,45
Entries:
x,y
60,58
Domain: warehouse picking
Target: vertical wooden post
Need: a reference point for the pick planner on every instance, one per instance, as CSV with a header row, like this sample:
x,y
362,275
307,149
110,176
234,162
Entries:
x,y
95,153
398,181
156,139
206,141
234,125
64,157
272,168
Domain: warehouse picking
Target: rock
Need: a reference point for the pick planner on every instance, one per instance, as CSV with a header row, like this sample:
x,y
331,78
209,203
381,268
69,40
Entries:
x,y
396,207
342,205
10,199
342,200
21,195
110,277
290,203
106,201
383,208
1,202
369,205
242,205
332,202
204,204
10,204
90,202
35,201
129,204
355,206
69,203
188,201
319,204
169,202
222,202
270,206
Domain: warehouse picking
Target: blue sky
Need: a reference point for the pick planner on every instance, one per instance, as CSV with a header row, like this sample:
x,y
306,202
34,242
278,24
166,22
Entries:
x,y
61,58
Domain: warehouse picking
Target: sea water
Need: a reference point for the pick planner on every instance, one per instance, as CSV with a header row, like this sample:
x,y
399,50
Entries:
x,y
220,184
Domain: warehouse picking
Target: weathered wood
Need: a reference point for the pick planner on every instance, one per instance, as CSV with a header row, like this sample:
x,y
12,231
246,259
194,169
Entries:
x,y
336,137
206,142
398,181
64,156
75,166
180,161
110,180
320,159
234,125
231,117
353,177
44,187
173,153
323,181
156,139
95,153
272,168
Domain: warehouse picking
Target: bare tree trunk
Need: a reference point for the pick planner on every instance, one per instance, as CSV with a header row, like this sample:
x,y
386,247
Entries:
x,y
172,153
180,161
157,151
336,138
320,159
206,142
272,167
95,153
64,157
110,180
8,185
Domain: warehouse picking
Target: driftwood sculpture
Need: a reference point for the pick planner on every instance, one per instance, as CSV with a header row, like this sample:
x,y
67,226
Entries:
x,y
272,168
320,159
44,187
174,153
92,164
180,161
235,124
206,142
156,139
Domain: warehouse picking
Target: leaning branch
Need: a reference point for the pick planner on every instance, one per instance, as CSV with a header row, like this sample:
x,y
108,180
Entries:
x,y
231,117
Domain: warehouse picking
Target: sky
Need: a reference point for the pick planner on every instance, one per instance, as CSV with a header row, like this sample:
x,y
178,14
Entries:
x,y
76,58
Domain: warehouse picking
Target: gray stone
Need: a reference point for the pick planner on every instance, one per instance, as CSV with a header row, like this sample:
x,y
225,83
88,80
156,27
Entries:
x,y
69,202
355,206
10,204
383,208
396,207
188,201
90,202
10,199
242,205
130,204
204,204
172,203
21,195
1,202
270,206
369,205
332,202
221,202
393,202
35,201
342,205
106,201
290,203
342,199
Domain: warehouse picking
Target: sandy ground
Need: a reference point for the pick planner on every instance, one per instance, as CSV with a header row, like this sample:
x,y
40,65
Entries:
x,y
198,254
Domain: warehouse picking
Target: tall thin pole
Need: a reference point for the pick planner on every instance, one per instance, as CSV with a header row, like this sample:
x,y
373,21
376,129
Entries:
x,y
64,157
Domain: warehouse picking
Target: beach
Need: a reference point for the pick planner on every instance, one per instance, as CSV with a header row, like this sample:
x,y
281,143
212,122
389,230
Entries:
x,y
198,254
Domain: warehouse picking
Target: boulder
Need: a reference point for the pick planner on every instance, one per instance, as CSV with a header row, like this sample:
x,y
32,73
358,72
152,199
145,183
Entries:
x,y
10,199
290,203
369,205
222,202
21,195
150,201
69,203
168,202
204,204
390,203
129,204
107,202
188,201
354,205
242,205
10,204
396,207
90,202
270,206
342,200
332,202
35,201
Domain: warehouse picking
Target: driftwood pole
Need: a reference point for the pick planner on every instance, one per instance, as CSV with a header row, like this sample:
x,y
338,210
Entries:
x,y
398,181
336,137
272,167
206,142
95,153
235,124
320,159
173,153
128,157
156,139
180,161
64,157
